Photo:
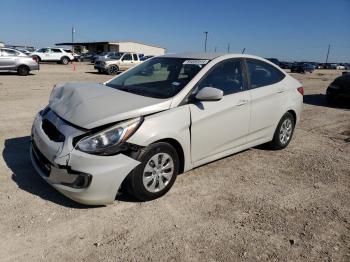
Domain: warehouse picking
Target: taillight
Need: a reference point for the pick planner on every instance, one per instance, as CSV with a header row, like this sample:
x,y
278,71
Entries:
x,y
34,58
301,90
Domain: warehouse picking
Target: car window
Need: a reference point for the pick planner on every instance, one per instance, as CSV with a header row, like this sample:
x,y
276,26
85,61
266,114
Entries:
x,y
161,77
226,76
262,74
127,57
135,57
7,52
55,50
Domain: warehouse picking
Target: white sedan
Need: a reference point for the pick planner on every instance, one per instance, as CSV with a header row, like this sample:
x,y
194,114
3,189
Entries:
x,y
159,119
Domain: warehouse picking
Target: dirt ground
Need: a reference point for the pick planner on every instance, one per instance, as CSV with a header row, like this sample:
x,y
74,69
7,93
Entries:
x,y
289,205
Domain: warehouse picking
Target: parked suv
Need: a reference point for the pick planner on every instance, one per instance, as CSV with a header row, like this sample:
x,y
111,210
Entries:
x,y
13,60
166,116
52,55
118,62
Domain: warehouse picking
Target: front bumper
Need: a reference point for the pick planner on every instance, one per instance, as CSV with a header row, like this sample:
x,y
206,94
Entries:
x,y
84,178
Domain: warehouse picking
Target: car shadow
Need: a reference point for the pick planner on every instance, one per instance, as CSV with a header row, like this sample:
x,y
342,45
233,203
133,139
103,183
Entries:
x,y
320,100
95,73
16,157
13,73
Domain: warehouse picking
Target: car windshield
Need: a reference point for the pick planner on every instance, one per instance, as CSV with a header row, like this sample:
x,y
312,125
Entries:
x,y
114,55
161,77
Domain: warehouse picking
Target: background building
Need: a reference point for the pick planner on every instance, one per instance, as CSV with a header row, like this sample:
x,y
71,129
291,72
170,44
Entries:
x,y
2,44
118,46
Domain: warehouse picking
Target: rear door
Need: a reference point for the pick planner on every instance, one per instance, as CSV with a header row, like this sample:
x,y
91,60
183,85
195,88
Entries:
x,y
268,96
219,126
8,59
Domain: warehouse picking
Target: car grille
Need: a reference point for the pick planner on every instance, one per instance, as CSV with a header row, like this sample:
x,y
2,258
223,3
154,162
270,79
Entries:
x,y
52,132
41,161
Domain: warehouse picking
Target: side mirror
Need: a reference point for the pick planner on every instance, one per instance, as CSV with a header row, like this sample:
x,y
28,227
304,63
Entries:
x,y
209,94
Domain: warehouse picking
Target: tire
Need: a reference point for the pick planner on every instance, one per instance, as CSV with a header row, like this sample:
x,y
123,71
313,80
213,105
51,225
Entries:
x,y
113,70
65,60
330,99
283,133
149,181
23,70
99,71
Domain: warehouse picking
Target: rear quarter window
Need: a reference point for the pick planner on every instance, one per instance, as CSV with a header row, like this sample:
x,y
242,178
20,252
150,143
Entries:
x,y
262,74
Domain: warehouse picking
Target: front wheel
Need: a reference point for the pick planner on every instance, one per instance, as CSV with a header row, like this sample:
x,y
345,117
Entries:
x,y
284,132
157,172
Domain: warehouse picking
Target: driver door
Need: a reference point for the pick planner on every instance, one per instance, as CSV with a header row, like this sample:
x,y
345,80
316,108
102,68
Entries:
x,y
46,56
220,126
127,62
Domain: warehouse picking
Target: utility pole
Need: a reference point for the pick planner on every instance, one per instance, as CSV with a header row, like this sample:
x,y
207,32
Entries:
x,y
329,47
228,48
215,49
205,42
73,31
243,50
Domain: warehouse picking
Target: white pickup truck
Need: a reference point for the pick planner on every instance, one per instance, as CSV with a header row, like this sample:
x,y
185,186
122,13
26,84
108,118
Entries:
x,y
52,55
118,62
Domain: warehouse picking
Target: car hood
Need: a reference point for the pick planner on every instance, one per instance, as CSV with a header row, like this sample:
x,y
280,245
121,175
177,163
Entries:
x,y
89,105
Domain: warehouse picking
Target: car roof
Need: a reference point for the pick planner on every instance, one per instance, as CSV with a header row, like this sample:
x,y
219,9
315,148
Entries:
x,y
210,56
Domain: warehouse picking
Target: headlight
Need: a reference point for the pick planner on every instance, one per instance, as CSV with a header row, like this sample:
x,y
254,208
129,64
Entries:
x,y
109,140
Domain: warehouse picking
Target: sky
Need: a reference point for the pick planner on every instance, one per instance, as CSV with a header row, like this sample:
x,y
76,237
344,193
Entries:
x,y
288,30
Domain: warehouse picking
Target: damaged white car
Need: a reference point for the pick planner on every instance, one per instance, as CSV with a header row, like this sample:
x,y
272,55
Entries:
x,y
161,118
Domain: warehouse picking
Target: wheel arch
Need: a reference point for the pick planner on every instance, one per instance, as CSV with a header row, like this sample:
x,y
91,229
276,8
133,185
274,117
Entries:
x,y
23,65
180,152
294,114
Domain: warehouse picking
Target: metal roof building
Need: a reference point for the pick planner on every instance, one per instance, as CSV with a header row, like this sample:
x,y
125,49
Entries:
x,y
118,46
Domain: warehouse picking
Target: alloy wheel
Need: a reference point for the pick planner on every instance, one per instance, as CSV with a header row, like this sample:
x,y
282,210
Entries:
x,y
286,131
158,172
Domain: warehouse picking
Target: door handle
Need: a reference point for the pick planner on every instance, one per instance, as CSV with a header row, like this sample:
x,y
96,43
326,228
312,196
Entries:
x,y
242,102
280,90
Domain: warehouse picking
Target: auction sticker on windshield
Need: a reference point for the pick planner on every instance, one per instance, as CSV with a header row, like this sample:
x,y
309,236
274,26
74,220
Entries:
x,y
196,62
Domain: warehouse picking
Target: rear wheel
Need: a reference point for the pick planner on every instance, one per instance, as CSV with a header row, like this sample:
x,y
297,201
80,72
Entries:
x,y
23,70
156,174
113,70
65,60
284,132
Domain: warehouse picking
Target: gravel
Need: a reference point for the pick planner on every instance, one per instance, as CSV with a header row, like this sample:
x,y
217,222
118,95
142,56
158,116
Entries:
x,y
289,205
